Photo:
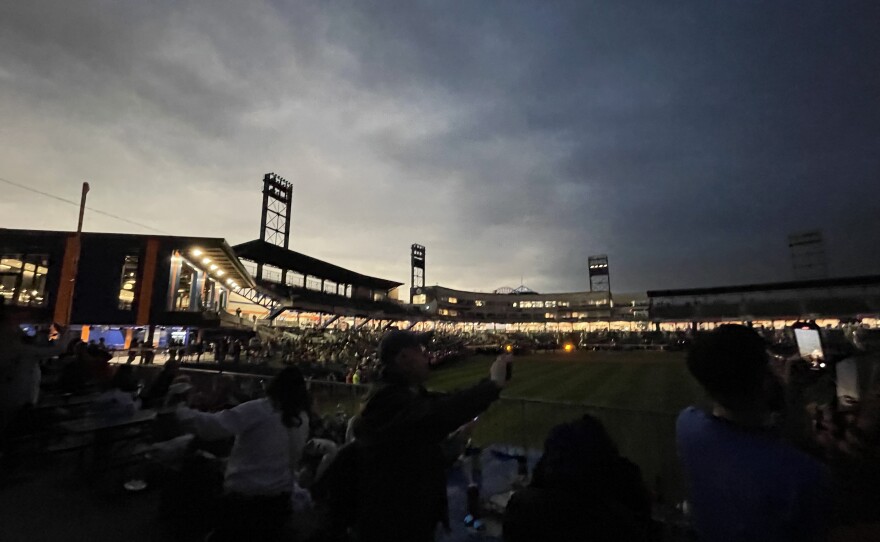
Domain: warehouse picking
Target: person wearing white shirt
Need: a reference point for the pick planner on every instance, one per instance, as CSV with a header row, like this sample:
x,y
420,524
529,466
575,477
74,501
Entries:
x,y
270,435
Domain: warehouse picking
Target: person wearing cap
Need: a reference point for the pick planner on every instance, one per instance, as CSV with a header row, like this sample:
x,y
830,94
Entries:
x,y
401,481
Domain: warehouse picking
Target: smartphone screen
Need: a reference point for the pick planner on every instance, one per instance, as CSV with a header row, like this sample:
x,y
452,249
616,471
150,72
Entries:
x,y
809,343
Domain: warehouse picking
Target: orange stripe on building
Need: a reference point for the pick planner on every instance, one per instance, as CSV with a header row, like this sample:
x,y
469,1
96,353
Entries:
x,y
145,286
67,282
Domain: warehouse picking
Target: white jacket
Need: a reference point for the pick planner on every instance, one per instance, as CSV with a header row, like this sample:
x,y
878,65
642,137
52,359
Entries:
x,y
265,452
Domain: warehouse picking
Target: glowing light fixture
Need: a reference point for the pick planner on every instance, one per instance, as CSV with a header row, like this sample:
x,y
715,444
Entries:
x,y
206,261
213,267
196,252
568,347
220,273
508,348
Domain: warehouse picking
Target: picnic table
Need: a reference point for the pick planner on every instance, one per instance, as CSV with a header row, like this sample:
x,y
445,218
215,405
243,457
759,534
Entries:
x,y
66,400
102,423
107,431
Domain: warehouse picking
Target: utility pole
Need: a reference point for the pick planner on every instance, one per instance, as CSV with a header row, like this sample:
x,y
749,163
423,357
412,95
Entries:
x,y
82,208
69,267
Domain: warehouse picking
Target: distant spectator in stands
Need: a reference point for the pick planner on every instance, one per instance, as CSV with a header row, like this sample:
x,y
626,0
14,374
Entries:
x,y
401,485
270,435
582,489
235,350
746,484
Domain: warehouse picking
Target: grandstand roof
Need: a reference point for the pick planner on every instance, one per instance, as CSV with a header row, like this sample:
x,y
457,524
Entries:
x,y
266,253
866,280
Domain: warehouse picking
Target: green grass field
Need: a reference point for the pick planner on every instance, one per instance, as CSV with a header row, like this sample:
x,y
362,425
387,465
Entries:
x,y
652,381
636,394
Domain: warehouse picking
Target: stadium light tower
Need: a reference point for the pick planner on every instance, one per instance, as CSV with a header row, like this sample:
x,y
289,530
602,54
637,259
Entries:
x,y
600,278
275,220
417,269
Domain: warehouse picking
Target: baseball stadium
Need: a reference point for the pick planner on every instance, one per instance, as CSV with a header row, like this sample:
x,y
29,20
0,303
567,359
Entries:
x,y
248,310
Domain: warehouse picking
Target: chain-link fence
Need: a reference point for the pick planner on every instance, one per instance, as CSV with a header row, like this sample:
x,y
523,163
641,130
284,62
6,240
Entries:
x,y
645,437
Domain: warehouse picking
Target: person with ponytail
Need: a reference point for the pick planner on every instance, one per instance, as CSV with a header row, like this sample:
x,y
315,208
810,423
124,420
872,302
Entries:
x,y
270,434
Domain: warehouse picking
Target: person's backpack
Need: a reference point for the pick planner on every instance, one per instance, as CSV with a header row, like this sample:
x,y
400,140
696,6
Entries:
x,y
335,493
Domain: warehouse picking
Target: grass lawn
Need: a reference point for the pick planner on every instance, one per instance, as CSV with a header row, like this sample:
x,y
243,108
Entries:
x,y
636,394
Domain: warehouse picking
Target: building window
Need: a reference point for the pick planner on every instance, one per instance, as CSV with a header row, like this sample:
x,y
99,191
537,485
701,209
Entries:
x,y
183,295
313,284
479,303
563,303
250,266
127,282
550,304
453,300
295,279
419,299
329,287
23,279
272,273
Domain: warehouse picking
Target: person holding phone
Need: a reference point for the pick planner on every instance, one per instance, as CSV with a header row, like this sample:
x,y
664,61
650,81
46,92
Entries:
x,y
401,476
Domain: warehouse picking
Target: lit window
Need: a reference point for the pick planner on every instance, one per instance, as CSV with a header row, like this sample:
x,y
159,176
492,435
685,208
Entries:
x,y
453,300
479,303
23,278
419,299
127,282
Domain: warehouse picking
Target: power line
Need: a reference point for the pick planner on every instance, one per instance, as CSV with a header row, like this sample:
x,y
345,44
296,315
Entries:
x,y
76,204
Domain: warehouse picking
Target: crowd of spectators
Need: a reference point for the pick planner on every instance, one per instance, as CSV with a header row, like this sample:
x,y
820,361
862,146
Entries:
x,y
779,454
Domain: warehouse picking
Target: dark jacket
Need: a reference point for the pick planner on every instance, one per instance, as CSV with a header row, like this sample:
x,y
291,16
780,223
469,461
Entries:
x,y
401,466
602,502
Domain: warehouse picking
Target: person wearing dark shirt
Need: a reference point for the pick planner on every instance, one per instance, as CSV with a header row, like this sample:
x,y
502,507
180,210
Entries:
x,y
401,474
582,489
746,483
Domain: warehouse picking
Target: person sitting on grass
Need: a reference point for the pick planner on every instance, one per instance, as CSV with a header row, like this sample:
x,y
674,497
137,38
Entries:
x,y
745,482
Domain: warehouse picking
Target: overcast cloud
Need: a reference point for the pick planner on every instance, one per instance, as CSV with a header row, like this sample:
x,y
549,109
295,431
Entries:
x,y
684,139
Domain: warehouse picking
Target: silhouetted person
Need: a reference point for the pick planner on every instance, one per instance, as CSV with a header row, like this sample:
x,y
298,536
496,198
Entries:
x,y
581,490
401,485
746,484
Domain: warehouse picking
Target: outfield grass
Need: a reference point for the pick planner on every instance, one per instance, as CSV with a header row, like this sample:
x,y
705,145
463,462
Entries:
x,y
637,395
652,381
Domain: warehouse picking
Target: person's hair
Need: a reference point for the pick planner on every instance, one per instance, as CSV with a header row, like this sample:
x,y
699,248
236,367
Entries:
x,y
289,395
576,452
124,378
730,363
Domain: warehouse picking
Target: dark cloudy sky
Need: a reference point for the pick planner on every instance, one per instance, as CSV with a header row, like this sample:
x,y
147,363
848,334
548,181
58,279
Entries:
x,y
684,139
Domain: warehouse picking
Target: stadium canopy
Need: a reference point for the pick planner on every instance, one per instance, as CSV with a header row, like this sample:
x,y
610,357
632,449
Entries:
x,y
266,253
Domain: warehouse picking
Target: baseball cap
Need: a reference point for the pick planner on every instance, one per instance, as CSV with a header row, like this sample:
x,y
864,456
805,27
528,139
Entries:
x,y
396,340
